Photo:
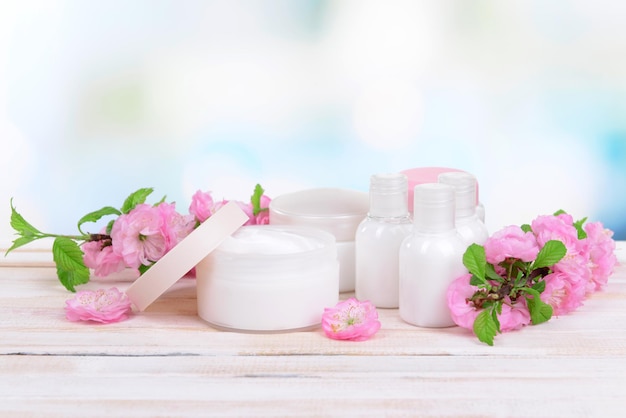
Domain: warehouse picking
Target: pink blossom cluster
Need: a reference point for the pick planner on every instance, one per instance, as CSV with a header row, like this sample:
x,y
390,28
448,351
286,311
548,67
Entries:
x,y
140,237
203,206
584,269
147,232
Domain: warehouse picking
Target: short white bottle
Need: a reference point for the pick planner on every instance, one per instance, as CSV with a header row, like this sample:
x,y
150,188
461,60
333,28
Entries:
x,y
466,219
378,240
431,258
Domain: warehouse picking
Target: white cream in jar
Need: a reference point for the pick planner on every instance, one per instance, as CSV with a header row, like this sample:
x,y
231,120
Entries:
x,y
268,278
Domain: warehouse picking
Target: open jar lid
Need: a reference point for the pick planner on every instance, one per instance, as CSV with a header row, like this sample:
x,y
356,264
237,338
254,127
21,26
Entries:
x,y
338,211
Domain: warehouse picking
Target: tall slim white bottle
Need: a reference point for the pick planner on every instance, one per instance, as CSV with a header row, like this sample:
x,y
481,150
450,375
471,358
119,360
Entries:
x,y
378,240
431,258
466,220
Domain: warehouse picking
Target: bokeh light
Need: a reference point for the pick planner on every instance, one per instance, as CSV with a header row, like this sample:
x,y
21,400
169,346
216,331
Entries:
x,y
98,99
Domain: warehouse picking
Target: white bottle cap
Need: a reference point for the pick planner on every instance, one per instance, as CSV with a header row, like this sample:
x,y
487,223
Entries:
x,y
433,207
465,187
388,195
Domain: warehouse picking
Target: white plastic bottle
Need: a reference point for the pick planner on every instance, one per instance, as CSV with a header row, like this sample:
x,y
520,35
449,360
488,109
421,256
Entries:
x,y
378,240
431,258
467,222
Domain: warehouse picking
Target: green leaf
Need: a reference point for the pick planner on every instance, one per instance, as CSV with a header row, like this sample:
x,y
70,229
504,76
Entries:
x,y
21,226
526,228
255,199
485,327
579,228
578,224
498,310
160,201
475,261
97,215
477,281
540,286
136,198
551,253
143,268
539,311
110,226
27,232
18,242
529,290
491,274
520,265
68,257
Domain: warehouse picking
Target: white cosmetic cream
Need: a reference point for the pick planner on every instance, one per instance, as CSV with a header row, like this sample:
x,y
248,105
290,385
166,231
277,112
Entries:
x,y
338,211
268,278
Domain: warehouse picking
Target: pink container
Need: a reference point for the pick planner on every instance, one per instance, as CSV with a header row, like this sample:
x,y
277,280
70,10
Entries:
x,y
421,175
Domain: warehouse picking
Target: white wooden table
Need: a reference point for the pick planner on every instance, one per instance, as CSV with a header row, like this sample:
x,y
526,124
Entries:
x,y
168,362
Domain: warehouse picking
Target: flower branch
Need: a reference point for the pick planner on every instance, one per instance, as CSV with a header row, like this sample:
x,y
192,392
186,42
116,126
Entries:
x,y
136,237
525,275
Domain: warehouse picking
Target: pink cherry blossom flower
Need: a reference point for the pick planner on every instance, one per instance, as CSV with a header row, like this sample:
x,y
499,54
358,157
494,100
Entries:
x,y
265,202
550,227
513,242
246,207
138,236
102,259
351,320
513,316
201,206
575,267
174,226
575,263
563,294
262,218
105,306
565,218
602,258
463,314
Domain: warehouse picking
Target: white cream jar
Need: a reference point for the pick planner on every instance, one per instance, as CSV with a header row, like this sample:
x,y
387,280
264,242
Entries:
x,y
338,211
268,278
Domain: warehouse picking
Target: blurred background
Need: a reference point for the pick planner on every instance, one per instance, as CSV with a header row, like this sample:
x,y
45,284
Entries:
x,y
99,98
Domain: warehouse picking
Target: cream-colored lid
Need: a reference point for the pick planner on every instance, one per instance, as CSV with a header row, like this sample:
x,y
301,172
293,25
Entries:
x,y
185,255
338,211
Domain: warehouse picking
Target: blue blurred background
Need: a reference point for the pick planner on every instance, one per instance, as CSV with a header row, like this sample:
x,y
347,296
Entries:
x,y
100,98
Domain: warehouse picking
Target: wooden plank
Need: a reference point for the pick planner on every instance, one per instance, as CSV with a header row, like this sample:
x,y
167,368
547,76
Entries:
x,y
313,386
43,330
